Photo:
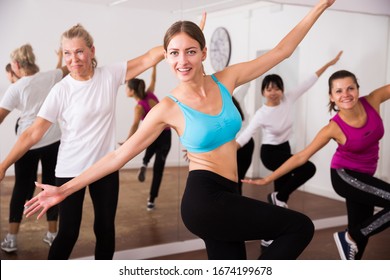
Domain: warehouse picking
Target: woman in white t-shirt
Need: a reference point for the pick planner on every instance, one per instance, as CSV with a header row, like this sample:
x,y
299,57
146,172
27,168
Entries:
x,y
84,103
26,94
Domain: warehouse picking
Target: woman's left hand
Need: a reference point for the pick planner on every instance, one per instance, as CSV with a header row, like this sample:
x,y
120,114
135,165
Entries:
x,y
260,182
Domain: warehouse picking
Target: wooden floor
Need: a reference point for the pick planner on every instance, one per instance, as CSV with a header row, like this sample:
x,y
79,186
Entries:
x,y
138,228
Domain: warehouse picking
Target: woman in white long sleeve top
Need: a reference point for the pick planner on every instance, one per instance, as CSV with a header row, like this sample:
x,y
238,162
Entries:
x,y
275,118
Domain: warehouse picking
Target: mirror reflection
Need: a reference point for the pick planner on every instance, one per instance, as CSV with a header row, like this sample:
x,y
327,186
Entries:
x,y
147,218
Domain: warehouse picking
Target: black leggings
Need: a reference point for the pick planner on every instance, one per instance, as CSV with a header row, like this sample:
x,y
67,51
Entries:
x,y
104,195
212,209
273,156
160,147
26,169
244,160
362,193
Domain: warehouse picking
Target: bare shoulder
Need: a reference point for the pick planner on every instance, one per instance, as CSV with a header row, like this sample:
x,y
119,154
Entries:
x,y
333,131
227,78
169,112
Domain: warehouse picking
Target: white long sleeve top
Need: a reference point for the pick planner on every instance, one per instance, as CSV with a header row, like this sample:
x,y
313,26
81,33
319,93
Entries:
x,y
276,121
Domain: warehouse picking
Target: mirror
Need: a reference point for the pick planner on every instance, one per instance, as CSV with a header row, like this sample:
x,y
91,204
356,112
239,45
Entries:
x,y
121,33
135,226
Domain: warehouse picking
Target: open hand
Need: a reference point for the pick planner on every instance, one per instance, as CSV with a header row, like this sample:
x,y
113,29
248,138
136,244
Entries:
x,y
260,181
48,197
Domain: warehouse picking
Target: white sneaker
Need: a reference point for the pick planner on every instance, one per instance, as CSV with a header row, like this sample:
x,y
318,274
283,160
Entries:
x,y
150,206
49,237
9,244
265,243
273,200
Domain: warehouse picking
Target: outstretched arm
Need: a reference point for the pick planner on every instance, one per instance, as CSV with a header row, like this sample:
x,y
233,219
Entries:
x,y
242,73
138,113
152,80
29,138
378,96
151,128
320,71
321,139
139,64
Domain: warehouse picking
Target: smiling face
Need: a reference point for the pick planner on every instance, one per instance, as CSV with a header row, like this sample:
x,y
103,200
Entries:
x,y
273,94
78,58
344,93
185,56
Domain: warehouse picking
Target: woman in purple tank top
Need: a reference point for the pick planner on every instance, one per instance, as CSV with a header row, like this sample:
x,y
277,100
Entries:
x,y
146,100
357,128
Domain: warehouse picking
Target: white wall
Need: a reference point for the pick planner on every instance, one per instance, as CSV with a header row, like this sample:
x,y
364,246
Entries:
x,y
365,42
121,34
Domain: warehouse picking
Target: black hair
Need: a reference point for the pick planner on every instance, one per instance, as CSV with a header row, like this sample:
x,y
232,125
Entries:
x,y
272,79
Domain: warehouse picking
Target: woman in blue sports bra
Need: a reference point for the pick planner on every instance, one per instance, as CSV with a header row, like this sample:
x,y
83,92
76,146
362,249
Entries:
x,y
201,111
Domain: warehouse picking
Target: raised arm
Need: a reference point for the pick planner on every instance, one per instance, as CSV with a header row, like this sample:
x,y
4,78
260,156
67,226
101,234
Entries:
x,y
378,96
152,80
138,113
322,138
320,71
242,73
27,139
139,64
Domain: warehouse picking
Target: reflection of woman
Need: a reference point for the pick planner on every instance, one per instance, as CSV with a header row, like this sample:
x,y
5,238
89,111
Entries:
x,y
84,103
26,94
276,121
357,128
201,111
146,100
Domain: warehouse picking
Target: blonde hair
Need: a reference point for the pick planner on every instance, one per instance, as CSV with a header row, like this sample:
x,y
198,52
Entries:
x,y
25,57
78,31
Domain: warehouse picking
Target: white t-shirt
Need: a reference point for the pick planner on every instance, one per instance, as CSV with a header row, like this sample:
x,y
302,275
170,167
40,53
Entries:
x,y
85,111
276,121
27,95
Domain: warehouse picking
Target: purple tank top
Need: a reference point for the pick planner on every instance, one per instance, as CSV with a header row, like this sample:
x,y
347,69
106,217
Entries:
x,y
361,149
144,103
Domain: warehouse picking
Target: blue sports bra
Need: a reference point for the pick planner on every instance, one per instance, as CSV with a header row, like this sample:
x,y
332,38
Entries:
x,y
203,132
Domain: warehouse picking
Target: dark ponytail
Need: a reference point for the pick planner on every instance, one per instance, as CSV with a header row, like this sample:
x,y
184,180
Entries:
x,y
138,86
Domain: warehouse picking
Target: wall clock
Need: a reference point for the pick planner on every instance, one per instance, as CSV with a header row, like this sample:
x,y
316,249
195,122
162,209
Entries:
x,y
220,49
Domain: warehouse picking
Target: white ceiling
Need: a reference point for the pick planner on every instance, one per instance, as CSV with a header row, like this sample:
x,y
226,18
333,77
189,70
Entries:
x,y
376,7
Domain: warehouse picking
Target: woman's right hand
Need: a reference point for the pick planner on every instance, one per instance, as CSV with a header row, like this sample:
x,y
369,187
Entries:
x,y
48,197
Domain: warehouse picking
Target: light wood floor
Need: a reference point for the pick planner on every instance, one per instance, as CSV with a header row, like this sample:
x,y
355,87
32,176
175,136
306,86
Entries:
x,y
136,227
